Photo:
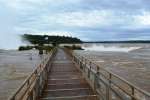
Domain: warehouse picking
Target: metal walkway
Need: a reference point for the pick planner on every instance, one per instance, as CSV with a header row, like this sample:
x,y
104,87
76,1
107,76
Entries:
x,y
65,82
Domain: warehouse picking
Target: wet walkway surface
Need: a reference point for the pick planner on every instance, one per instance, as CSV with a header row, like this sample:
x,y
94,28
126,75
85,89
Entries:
x,y
65,81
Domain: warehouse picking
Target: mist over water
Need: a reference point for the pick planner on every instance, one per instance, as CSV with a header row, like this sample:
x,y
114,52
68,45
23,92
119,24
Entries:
x,y
110,48
11,41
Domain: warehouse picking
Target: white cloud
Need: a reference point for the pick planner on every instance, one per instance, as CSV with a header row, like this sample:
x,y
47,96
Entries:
x,y
32,4
106,19
93,18
84,19
60,33
143,19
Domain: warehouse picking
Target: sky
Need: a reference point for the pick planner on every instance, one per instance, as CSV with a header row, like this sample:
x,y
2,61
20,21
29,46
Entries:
x,y
88,20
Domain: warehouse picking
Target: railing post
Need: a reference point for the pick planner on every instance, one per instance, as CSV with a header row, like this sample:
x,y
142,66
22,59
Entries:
x,y
89,70
31,95
73,58
85,63
81,65
28,83
38,85
108,92
133,93
78,61
34,94
13,98
96,79
34,91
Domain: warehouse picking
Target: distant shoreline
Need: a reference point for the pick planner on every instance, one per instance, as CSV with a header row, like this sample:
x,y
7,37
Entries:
x,y
134,41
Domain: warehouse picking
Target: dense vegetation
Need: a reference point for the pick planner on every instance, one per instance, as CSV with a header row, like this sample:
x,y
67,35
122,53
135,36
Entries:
x,y
40,48
74,47
39,41
21,48
45,39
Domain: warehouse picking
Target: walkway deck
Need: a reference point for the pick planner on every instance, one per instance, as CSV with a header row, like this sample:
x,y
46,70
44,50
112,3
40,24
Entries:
x,y
66,82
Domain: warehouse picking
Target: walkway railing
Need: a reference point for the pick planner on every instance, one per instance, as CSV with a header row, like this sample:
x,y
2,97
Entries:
x,y
108,85
32,87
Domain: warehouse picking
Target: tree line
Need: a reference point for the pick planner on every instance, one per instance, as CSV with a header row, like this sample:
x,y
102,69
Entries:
x,y
38,42
46,39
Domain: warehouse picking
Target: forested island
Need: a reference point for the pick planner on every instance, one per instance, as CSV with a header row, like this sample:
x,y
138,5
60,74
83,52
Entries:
x,y
46,39
46,42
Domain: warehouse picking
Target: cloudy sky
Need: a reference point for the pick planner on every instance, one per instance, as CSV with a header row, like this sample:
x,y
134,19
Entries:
x,y
85,19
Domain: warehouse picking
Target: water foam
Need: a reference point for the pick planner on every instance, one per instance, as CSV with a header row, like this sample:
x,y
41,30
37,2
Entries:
x,y
110,48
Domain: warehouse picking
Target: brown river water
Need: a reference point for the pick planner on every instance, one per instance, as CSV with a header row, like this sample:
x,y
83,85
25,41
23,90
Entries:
x,y
15,67
130,61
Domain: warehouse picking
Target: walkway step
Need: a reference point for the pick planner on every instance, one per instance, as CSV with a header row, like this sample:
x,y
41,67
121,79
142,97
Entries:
x,y
67,86
67,92
61,62
65,76
66,81
64,70
85,97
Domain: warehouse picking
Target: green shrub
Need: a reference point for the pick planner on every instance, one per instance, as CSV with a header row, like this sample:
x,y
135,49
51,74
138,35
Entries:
x,y
22,48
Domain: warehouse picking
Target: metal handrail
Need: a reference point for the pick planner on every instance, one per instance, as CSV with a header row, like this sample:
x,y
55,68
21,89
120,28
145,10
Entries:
x,y
86,62
117,76
28,88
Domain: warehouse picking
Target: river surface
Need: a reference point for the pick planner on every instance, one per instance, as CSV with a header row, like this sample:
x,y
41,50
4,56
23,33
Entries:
x,y
15,67
130,61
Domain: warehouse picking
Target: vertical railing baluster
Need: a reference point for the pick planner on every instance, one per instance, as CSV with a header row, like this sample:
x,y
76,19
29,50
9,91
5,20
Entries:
x,y
81,67
108,91
133,92
95,78
89,70
85,63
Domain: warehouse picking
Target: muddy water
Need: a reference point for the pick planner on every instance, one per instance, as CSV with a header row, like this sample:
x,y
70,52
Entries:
x,y
15,67
130,61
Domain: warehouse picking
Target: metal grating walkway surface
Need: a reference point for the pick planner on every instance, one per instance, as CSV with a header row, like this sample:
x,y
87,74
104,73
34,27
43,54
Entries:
x,y
65,81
